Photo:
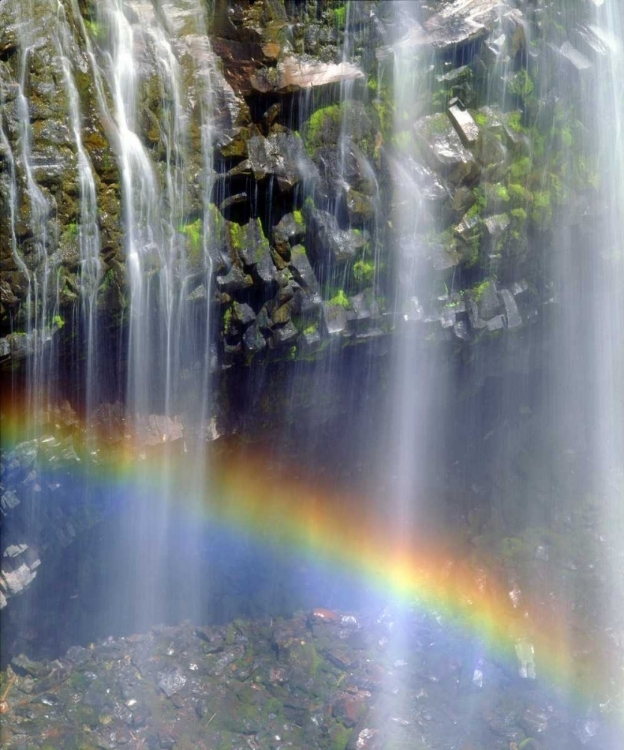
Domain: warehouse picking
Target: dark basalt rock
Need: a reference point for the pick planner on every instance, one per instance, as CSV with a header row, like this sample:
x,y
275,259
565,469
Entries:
x,y
289,231
281,156
271,67
298,73
456,24
303,273
443,150
331,242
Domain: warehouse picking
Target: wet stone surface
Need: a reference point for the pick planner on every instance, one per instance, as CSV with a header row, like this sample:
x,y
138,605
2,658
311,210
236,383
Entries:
x,y
322,679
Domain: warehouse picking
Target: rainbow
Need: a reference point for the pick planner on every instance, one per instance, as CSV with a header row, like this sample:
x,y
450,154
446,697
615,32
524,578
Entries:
x,y
351,533
432,574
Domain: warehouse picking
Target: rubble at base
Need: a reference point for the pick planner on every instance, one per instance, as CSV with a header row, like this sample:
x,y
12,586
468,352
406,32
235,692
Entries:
x,y
322,679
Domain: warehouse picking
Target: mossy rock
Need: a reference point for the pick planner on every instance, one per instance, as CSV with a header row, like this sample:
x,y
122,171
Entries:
x,y
352,118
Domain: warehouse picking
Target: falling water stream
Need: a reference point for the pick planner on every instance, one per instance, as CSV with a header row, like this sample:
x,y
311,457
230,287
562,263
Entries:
x,y
488,261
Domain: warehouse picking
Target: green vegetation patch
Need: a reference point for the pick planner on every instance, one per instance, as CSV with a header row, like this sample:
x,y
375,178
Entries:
x,y
340,16
479,290
194,233
520,168
322,127
341,300
541,213
363,271
518,194
521,84
514,121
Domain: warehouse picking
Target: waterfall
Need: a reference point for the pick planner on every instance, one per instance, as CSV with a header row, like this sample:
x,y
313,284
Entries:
x,y
87,230
130,53
41,295
167,225
318,313
605,345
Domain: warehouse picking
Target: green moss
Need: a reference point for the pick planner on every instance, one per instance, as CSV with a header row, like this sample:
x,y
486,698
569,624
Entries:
x,y
227,318
383,104
319,122
58,322
519,214
557,189
311,329
314,659
514,121
521,84
520,168
237,234
340,299
363,271
478,206
502,193
385,113
298,216
194,233
517,193
479,290
340,738
541,213
480,118
340,16
95,30
108,279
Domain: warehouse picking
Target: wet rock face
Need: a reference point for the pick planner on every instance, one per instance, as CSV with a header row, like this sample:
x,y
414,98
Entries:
x,y
311,148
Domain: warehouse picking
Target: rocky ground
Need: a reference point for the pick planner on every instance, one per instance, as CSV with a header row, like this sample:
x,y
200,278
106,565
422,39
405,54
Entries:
x,y
322,679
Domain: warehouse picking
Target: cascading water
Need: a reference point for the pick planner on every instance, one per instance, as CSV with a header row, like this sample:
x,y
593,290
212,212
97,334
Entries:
x,y
608,339
600,354
406,217
167,242
39,284
87,225
419,416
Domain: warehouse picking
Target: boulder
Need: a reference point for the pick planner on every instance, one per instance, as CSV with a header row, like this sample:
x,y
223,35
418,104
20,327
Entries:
x,y
300,72
281,156
467,129
303,273
253,340
331,242
248,257
443,150
513,317
286,334
365,315
456,24
334,318
241,62
290,230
